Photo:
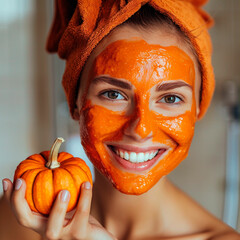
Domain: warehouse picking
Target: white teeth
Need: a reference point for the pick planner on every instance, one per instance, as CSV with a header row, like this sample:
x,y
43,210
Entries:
x,y
133,157
146,156
136,157
140,157
126,156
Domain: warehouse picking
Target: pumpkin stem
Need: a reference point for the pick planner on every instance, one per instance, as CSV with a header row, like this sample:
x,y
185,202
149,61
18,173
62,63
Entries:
x,y
53,156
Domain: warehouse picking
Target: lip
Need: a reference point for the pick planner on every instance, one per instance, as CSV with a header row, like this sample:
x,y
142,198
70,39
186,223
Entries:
x,y
136,167
137,149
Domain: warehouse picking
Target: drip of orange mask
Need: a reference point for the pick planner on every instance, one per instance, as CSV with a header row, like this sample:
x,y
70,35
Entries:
x,y
144,66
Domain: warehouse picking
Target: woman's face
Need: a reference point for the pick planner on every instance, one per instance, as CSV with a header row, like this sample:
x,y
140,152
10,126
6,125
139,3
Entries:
x,y
137,106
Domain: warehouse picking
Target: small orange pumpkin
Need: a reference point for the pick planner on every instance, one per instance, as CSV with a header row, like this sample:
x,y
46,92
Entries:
x,y
49,172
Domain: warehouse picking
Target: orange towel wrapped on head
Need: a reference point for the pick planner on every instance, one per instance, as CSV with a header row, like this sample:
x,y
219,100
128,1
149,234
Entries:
x,y
79,25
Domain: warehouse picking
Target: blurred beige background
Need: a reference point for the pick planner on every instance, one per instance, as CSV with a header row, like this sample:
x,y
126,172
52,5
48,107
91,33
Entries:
x,y
33,110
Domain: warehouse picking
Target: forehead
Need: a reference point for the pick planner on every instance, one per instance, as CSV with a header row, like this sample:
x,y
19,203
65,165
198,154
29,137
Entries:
x,y
137,60
159,36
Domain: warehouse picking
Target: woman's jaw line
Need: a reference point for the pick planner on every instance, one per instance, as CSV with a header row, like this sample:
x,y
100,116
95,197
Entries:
x,y
136,159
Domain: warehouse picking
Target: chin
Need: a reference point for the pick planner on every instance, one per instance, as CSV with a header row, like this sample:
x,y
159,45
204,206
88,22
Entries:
x,y
131,181
129,177
138,185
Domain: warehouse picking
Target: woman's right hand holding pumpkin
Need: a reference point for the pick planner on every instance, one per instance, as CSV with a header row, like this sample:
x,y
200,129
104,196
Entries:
x,y
81,226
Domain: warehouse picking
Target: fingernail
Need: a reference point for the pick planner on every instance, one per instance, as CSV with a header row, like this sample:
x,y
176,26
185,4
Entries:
x,y
87,185
18,184
5,185
65,195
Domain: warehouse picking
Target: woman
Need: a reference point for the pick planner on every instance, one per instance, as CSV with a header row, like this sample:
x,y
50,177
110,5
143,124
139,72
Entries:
x,y
137,93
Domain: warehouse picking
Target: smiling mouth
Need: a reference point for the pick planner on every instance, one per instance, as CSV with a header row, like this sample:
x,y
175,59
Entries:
x,y
136,157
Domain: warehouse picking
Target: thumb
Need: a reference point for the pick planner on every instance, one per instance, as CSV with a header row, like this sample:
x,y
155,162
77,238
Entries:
x,y
7,189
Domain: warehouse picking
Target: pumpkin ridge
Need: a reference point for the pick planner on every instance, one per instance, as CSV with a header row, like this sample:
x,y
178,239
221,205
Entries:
x,y
70,182
68,159
33,187
71,176
77,188
86,173
53,171
42,155
75,161
36,160
25,166
31,161
63,156
28,170
42,205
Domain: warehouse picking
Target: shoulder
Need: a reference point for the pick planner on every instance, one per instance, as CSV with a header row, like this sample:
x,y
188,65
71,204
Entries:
x,y
228,234
9,227
197,222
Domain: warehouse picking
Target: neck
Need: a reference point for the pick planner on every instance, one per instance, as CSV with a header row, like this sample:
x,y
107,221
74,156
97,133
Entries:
x,y
113,208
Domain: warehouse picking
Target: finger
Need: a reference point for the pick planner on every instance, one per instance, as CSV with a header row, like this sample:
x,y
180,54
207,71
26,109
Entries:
x,y
7,189
57,215
79,224
19,204
94,221
22,210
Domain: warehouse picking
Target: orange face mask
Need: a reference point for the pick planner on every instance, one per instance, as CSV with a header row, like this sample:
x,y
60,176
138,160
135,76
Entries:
x,y
145,68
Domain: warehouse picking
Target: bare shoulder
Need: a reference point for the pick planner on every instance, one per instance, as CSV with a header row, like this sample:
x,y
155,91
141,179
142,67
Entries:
x,y
230,235
200,236
196,222
9,227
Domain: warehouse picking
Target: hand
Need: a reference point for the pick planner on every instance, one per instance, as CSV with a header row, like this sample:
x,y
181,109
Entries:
x,y
81,226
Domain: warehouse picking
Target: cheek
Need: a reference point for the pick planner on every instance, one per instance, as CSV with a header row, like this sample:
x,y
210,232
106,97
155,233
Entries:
x,y
180,129
101,124
172,131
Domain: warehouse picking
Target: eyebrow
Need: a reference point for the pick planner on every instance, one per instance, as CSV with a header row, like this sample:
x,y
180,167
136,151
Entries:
x,y
112,81
172,85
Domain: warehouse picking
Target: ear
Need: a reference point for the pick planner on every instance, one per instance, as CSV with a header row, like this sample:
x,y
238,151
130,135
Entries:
x,y
76,115
198,111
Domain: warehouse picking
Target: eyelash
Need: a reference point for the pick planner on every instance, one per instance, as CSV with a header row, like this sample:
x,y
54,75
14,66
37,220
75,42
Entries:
x,y
101,94
171,95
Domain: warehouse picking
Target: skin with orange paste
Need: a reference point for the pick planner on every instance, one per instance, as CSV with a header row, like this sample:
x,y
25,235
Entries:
x,y
103,126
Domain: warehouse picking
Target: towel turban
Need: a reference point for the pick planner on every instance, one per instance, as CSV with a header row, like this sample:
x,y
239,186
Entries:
x,y
79,25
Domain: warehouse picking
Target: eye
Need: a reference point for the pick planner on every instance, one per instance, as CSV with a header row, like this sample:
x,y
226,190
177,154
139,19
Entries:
x,y
171,99
113,95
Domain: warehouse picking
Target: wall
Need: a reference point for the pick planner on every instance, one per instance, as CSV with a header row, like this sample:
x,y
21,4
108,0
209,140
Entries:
x,y
26,116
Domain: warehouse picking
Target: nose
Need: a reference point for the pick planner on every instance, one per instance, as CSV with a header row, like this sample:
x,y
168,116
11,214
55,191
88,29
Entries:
x,y
139,127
